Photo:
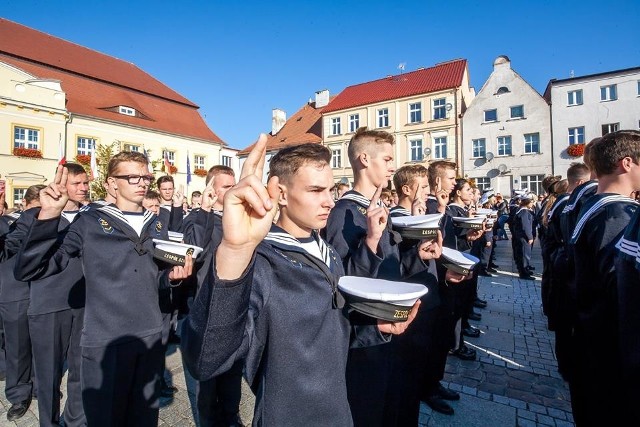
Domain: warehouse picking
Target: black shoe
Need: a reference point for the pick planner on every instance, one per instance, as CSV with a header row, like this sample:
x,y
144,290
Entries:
x,y
485,274
479,303
492,265
168,390
174,339
471,332
474,316
17,410
530,268
464,353
527,277
446,394
438,405
3,376
491,270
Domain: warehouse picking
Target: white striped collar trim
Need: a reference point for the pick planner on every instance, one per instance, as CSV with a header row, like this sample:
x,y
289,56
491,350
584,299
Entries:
x,y
283,238
358,198
556,204
522,209
583,190
593,209
15,215
400,210
117,213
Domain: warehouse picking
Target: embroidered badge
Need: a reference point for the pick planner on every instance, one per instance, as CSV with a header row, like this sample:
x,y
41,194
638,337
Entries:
x,y
106,227
190,251
158,226
362,210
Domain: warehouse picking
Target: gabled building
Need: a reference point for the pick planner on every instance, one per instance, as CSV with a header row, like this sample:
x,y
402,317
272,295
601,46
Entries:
x,y
586,107
58,98
421,108
303,127
507,135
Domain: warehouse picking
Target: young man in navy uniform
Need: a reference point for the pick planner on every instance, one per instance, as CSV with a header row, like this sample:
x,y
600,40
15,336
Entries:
x,y
121,350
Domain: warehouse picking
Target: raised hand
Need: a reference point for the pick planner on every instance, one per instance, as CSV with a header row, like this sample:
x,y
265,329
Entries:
x,y
249,209
2,201
377,217
418,206
441,195
399,327
209,196
53,197
178,196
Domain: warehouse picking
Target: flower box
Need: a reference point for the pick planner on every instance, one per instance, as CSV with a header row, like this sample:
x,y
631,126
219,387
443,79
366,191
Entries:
x,y
83,159
200,172
27,152
173,169
575,150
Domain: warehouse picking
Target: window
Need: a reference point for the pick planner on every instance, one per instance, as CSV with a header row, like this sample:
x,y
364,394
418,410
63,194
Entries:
x,y
416,149
491,115
383,117
504,146
576,135
483,183
608,93
127,111
502,90
226,161
198,162
440,147
132,148
532,182
611,127
479,148
415,112
26,138
638,87
574,97
85,146
336,158
354,122
18,195
439,109
531,143
169,155
517,112
335,126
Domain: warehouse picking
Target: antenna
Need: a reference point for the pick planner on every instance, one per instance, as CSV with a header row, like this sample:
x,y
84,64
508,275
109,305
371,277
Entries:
x,y
489,156
571,74
401,66
502,168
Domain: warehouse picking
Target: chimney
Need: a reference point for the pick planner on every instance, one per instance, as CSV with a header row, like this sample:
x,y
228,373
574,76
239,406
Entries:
x,y
322,98
278,119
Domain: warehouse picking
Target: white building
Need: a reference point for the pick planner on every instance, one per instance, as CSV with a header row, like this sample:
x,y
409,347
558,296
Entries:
x,y
583,108
506,133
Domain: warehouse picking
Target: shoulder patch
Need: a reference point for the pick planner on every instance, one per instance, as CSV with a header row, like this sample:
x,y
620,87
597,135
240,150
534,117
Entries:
x,y
362,210
106,227
158,226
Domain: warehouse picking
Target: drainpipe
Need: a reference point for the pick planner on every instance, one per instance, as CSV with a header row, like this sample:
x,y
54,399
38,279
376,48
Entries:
x,y
68,120
458,154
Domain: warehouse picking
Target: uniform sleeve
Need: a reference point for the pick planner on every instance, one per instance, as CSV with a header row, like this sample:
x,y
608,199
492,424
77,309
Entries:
x,y
222,323
176,218
527,225
197,227
628,290
41,255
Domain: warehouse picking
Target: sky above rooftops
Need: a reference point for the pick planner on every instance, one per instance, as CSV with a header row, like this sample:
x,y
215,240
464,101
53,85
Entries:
x,y
239,60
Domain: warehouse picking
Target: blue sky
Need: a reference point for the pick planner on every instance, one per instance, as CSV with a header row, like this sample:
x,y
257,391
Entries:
x,y
238,60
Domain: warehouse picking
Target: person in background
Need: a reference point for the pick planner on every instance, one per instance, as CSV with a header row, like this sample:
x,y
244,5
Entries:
x,y
151,202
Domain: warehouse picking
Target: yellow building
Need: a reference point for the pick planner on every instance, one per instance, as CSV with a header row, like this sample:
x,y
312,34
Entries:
x,y
422,109
58,98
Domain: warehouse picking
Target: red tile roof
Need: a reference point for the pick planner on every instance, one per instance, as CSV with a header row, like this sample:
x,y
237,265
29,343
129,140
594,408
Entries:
x,y
446,75
304,126
95,83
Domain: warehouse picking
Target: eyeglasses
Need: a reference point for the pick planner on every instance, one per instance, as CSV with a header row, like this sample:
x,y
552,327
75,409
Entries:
x,y
135,179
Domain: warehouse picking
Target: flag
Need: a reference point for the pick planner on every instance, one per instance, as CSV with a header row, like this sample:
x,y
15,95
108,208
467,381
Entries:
x,y
188,169
167,164
95,173
146,156
62,159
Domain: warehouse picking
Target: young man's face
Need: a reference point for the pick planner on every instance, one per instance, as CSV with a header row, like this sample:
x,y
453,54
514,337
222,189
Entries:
x,y
152,205
78,187
166,191
306,200
221,184
420,187
196,201
448,180
381,165
132,193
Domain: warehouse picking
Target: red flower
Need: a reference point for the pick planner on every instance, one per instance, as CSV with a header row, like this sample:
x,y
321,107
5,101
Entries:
x,y
27,152
173,169
200,172
83,159
575,150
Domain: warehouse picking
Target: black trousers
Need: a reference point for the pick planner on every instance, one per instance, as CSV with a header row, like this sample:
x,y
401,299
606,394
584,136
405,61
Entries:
x,y
19,364
121,383
218,399
55,338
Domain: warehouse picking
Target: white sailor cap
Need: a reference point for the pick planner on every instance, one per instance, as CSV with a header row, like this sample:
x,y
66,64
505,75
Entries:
x,y
468,222
175,236
418,226
485,197
457,261
381,299
174,252
486,212
527,196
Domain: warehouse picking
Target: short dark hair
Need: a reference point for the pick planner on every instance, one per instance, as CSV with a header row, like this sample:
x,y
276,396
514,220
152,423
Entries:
x,y
460,182
577,171
196,194
363,139
163,179
287,161
606,152
217,170
125,156
152,195
74,168
436,170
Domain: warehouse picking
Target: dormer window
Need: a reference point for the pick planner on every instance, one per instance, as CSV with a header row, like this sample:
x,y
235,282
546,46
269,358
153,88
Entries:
x,y
502,89
127,111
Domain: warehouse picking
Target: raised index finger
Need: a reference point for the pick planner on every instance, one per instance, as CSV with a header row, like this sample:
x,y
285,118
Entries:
x,y
59,172
376,198
255,161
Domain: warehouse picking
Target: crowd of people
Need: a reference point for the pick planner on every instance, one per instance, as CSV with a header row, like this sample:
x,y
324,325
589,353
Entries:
x,y
81,289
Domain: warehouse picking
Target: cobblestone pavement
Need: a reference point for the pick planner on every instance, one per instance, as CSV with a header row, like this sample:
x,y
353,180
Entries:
x,y
513,383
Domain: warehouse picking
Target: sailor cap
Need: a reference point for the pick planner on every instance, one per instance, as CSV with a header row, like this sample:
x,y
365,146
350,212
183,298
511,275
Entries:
x,y
174,252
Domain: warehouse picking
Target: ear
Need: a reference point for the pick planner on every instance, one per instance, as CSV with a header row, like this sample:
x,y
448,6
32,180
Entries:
x,y
364,159
282,197
626,163
406,190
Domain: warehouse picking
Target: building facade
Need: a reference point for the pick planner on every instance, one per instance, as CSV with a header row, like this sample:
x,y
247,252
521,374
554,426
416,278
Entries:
x,y
422,109
59,99
507,135
586,107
